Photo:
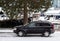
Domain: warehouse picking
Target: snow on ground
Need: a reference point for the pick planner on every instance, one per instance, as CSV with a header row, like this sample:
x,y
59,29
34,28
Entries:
x,y
53,37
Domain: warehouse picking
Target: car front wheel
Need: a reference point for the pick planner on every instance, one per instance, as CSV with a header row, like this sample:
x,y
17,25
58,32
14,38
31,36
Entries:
x,y
21,33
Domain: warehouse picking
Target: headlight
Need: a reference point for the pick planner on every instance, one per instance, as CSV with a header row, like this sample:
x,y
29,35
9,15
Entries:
x,y
14,29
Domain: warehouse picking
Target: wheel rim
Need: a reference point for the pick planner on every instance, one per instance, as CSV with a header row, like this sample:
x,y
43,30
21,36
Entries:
x,y
46,33
20,33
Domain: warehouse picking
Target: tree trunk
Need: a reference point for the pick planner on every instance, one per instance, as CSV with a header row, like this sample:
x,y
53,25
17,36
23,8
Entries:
x,y
25,13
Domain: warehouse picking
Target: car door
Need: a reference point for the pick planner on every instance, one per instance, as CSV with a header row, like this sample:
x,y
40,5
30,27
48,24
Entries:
x,y
31,28
40,27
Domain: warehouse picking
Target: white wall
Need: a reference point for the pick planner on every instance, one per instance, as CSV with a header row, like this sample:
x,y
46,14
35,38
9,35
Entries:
x,y
56,3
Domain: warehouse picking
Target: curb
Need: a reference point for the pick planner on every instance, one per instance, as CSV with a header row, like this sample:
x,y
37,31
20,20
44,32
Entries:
x,y
5,30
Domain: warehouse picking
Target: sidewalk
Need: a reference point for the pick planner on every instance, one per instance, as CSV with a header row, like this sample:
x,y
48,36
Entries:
x,y
6,30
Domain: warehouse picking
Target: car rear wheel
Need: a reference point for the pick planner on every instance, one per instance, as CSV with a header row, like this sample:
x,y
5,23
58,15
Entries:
x,y
21,33
46,34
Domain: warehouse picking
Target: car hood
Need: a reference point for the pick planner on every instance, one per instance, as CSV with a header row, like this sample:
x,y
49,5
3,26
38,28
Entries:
x,y
19,26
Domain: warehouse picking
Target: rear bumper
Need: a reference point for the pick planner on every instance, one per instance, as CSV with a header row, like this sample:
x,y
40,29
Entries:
x,y
52,31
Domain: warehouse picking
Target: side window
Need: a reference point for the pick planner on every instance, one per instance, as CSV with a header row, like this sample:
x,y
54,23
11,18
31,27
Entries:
x,y
37,24
42,24
32,25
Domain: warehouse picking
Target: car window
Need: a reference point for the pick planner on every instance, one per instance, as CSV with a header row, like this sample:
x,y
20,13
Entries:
x,y
42,24
37,24
31,25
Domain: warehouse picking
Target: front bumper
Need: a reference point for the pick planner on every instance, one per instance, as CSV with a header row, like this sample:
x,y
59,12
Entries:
x,y
15,31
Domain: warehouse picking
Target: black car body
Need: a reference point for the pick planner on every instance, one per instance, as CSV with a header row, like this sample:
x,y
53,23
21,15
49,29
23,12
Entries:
x,y
43,27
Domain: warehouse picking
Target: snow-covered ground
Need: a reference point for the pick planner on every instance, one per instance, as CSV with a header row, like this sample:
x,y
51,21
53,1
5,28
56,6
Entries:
x,y
11,37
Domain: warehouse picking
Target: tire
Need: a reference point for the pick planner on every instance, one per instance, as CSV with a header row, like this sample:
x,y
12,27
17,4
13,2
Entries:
x,y
46,34
21,34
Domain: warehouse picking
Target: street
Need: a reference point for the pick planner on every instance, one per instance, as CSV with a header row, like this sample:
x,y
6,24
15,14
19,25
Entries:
x,y
12,37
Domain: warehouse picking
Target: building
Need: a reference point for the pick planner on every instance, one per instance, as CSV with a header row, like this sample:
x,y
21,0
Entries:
x,y
56,3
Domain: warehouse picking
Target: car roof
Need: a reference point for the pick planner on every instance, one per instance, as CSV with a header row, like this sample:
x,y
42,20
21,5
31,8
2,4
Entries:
x,y
41,21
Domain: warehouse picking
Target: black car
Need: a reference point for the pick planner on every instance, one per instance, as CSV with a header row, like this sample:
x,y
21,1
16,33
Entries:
x,y
37,27
12,23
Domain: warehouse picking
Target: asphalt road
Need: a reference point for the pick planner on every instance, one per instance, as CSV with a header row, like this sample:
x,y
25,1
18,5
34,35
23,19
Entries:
x,y
12,37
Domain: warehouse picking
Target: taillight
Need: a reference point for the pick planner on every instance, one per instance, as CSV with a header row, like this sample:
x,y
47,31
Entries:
x,y
52,26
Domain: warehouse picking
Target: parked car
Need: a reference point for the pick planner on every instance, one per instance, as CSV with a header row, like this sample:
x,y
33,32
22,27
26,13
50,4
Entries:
x,y
37,27
12,23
